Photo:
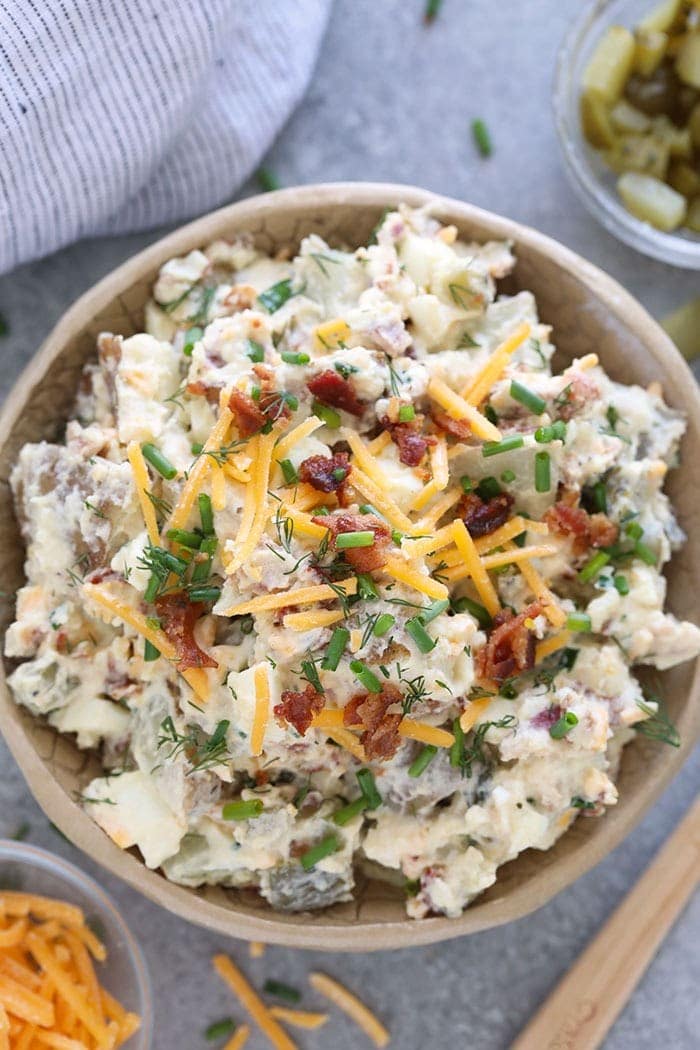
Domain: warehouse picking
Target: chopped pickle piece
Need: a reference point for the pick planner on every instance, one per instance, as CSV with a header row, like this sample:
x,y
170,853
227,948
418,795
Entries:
x,y
650,47
651,200
643,153
595,121
693,223
627,119
662,17
610,64
677,139
684,178
688,60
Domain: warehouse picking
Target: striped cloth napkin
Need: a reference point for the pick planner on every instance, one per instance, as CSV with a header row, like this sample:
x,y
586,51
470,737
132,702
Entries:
x,y
116,115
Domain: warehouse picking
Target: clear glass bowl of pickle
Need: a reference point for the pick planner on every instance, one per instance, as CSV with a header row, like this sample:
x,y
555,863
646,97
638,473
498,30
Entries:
x,y
627,111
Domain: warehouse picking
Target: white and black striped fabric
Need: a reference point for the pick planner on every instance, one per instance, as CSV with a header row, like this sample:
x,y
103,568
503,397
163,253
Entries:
x,y
117,115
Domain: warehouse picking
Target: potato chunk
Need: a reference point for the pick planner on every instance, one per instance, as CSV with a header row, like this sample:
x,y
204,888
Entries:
x,y
610,64
651,200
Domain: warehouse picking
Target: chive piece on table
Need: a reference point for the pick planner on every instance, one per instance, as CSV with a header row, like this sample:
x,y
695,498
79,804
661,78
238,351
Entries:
x,y
416,630
482,137
578,621
242,810
255,351
563,725
349,540
291,358
322,849
219,1029
407,413
365,677
21,831
543,480
206,513
432,8
368,788
336,648
267,179
593,566
422,760
494,448
527,397
382,624
353,809
329,415
282,990
158,461
192,335
289,471
150,653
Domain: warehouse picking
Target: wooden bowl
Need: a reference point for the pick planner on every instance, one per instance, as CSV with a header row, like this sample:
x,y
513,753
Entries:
x,y
589,312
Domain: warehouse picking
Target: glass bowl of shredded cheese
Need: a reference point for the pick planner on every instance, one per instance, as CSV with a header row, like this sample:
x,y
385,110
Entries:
x,y
586,167
71,969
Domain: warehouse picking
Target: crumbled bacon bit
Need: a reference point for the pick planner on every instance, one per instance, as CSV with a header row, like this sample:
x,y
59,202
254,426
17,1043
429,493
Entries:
x,y
380,738
299,708
331,389
240,297
200,389
510,648
484,516
102,575
588,530
548,717
326,473
178,617
363,559
457,428
249,417
579,390
412,445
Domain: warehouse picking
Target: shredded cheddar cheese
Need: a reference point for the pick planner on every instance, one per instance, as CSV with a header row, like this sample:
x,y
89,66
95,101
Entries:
x,y
425,733
239,1038
198,473
348,741
418,548
440,478
251,1001
142,485
473,712
218,487
477,388
303,525
312,621
328,718
260,480
550,645
352,1006
256,949
512,528
457,408
552,610
399,570
321,592
383,503
299,1018
474,568
364,457
379,443
262,709
331,334
303,430
438,510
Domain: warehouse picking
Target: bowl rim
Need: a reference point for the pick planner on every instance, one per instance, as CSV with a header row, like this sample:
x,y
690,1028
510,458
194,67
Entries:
x,y
600,201
70,874
265,926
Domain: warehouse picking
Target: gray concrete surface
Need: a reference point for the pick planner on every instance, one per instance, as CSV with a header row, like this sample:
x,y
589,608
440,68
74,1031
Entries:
x,y
393,100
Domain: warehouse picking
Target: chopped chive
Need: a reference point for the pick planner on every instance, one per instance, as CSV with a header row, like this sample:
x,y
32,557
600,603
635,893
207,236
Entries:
x,y
634,530
242,810
289,471
202,569
276,295
291,358
488,488
383,624
206,513
543,435
466,483
508,690
368,788
247,623
543,480
457,748
568,658
158,461
185,538
205,594
436,608
329,415
367,508
420,636
322,849
255,351
397,537
192,335
563,725
339,474
559,429
491,414
353,809
593,566
579,621
152,588
366,587
600,497
527,397
196,448
432,8
480,614
150,653
366,677
621,584
320,512
407,413
645,553
482,137
336,648
507,476
219,1029
348,540
282,990
422,760
21,831
494,448
267,179
255,393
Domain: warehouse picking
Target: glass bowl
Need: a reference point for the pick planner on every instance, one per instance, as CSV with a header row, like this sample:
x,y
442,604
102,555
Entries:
x,y
593,181
124,974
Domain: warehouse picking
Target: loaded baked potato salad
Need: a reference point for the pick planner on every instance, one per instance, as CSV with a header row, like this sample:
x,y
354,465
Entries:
x,y
337,574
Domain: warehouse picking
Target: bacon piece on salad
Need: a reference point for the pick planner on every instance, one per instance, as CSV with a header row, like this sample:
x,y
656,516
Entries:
x,y
380,738
248,415
484,516
299,708
363,559
409,440
326,473
178,616
331,389
457,428
588,530
510,648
